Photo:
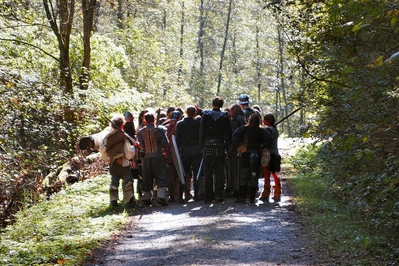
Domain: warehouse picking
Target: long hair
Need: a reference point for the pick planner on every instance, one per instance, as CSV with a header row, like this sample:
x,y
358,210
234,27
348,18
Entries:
x,y
254,120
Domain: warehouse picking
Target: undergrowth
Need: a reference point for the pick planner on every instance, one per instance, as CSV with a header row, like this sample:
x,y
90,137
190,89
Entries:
x,y
338,232
63,230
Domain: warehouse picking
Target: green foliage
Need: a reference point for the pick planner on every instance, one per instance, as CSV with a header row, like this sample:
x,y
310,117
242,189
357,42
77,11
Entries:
x,y
63,230
348,55
346,230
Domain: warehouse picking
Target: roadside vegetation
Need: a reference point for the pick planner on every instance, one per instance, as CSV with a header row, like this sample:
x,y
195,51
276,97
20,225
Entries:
x,y
65,229
339,230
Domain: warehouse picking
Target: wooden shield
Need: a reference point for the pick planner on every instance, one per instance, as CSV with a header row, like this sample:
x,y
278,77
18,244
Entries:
x,y
177,160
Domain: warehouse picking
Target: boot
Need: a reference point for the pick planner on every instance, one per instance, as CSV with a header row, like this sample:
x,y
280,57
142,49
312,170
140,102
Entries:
x,y
265,193
252,193
187,190
241,194
161,196
128,194
113,195
277,193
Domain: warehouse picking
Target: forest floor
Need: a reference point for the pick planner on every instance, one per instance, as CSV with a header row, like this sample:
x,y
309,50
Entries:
x,y
212,234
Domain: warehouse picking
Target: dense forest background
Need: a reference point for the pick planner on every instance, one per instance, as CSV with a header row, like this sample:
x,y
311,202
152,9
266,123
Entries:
x,y
65,65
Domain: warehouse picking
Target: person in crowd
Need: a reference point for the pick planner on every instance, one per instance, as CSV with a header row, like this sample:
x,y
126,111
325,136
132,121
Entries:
x,y
169,112
173,178
275,162
119,166
162,117
254,137
152,140
141,118
130,129
257,109
215,138
243,101
187,138
237,120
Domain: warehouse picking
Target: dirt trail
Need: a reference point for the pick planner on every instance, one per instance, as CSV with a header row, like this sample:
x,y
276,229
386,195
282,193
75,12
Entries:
x,y
211,234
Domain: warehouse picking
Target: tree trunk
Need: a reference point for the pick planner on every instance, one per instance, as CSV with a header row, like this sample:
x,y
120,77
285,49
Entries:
x,y
65,10
258,62
88,8
282,78
179,74
224,47
120,15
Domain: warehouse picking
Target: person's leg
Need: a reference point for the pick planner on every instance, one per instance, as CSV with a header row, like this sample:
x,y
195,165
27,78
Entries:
x,y
171,172
276,188
266,186
253,185
128,190
244,177
208,174
159,169
219,178
147,182
113,190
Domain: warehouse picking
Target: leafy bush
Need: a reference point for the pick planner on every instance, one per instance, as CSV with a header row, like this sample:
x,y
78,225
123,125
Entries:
x,y
354,220
63,230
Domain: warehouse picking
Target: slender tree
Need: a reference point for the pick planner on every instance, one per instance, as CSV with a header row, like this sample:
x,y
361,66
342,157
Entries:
x,y
88,8
226,35
65,10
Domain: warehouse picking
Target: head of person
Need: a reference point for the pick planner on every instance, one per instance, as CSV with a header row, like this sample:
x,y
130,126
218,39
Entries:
x,y
190,111
235,109
180,110
217,102
169,111
269,119
128,116
243,100
141,116
254,120
149,118
117,122
175,116
257,108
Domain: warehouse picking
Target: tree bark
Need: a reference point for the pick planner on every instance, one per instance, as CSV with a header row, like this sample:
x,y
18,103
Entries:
x,y
65,10
226,36
179,74
88,8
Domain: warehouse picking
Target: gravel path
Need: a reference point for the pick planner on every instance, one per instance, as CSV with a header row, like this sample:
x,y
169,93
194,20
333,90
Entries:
x,y
211,234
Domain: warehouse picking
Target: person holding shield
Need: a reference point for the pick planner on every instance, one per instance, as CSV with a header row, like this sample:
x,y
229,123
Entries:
x,y
187,137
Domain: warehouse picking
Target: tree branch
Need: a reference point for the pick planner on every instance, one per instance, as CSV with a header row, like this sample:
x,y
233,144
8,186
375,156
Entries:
x,y
32,45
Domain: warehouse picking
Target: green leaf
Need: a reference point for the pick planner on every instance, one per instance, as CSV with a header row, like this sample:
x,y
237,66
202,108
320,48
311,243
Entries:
x,y
347,70
393,21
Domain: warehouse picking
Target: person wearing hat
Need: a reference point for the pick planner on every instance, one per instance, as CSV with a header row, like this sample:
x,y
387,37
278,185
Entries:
x,y
243,101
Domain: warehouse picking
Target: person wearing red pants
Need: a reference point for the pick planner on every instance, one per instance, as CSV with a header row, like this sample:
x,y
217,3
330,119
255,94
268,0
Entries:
x,y
275,162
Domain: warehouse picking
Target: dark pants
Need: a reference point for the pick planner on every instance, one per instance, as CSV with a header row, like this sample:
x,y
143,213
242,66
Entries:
x,y
214,169
191,158
154,168
173,180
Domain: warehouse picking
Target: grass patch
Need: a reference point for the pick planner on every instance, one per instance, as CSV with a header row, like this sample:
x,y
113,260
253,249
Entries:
x,y
65,229
337,232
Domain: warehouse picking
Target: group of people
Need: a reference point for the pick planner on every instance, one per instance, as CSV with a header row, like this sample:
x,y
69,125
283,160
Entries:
x,y
207,142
